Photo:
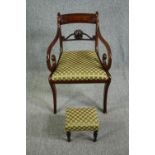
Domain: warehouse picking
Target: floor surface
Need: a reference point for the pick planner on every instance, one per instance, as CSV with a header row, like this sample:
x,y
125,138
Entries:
x,y
45,131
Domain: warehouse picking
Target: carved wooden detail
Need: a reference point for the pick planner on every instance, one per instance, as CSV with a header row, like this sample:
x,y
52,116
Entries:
x,y
53,58
78,35
104,57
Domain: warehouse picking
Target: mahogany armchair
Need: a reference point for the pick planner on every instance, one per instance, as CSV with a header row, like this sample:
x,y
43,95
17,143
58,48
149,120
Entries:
x,y
79,66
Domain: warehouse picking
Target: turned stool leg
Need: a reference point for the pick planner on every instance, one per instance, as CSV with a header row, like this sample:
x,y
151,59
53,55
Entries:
x,y
95,135
68,133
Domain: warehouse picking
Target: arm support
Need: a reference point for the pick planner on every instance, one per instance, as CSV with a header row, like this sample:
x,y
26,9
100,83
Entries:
x,y
108,65
51,67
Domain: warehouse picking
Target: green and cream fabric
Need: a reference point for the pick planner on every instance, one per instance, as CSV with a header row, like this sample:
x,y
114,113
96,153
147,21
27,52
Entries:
x,y
81,119
79,65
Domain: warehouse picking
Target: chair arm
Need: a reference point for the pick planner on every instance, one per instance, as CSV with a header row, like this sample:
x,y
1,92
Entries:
x,y
52,66
108,65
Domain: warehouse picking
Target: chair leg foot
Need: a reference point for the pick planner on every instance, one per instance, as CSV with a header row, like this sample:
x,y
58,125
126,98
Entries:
x,y
95,136
68,133
104,111
105,97
53,88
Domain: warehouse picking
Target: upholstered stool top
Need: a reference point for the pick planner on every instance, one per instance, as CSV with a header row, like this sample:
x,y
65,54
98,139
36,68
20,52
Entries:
x,y
81,119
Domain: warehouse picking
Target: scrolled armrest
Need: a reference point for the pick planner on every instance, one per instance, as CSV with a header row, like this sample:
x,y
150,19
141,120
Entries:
x,y
109,54
53,58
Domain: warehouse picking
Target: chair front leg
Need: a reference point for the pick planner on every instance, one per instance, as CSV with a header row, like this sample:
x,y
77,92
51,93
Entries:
x,y
106,86
53,88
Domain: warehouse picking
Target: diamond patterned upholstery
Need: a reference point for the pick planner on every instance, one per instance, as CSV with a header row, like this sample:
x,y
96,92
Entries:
x,y
79,65
81,119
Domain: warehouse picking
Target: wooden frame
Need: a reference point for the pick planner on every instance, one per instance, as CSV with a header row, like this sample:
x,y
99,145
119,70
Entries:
x,y
78,35
68,133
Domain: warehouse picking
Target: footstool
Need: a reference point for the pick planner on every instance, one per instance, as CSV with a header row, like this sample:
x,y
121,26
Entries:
x,y
81,119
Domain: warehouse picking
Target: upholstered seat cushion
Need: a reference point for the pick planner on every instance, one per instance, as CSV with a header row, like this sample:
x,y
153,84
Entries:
x,y
81,119
79,65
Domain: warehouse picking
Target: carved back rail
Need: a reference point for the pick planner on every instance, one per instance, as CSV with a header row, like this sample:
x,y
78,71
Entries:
x,y
77,34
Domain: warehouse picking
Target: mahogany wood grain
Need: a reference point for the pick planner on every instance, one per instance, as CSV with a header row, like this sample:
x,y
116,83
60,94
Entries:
x,y
78,18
